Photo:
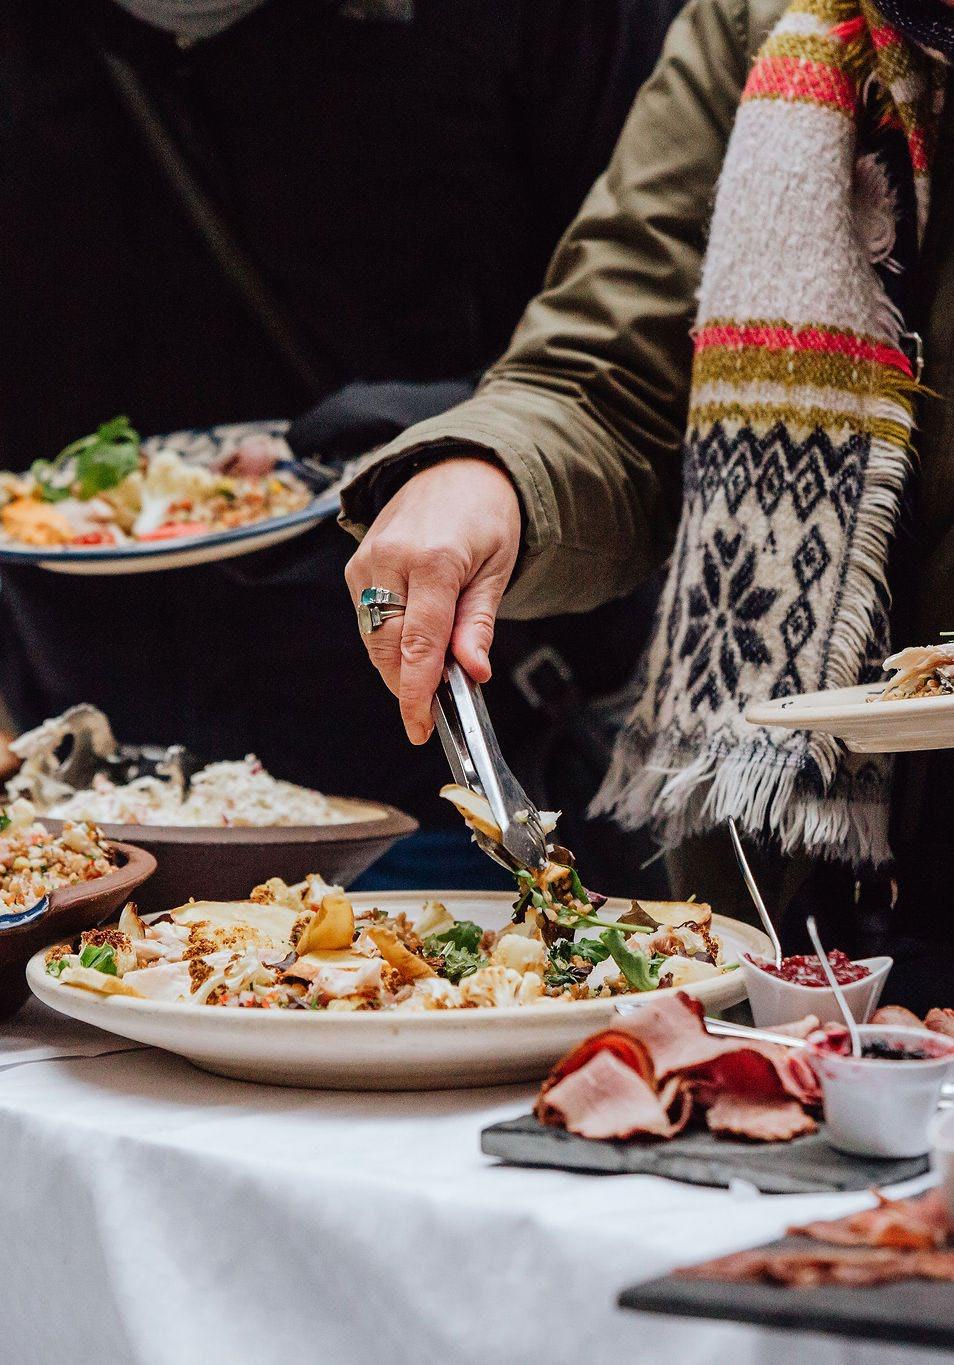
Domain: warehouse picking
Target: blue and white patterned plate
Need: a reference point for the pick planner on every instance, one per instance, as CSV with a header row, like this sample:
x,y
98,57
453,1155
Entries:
x,y
202,446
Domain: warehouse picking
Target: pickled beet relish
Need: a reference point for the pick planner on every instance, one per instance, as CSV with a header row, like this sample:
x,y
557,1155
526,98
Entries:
x,y
805,969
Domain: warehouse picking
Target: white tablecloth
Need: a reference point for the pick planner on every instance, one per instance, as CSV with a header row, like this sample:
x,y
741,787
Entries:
x,y
157,1215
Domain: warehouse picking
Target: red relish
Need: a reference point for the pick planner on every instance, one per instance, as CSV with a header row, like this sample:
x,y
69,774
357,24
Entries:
x,y
805,969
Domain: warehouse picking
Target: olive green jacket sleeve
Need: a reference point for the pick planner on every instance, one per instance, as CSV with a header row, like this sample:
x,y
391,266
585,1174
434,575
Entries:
x,y
587,408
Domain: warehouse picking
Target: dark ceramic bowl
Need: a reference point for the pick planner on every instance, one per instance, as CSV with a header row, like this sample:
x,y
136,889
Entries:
x,y
216,864
64,913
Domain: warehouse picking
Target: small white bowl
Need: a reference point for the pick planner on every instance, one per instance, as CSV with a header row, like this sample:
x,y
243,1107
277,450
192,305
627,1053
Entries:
x,y
875,1107
941,1138
775,1001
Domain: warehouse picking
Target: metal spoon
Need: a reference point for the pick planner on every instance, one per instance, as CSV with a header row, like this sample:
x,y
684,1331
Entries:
x,y
839,994
753,890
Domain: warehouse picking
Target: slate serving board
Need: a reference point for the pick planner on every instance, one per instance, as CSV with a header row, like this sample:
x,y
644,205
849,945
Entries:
x,y
806,1165
911,1312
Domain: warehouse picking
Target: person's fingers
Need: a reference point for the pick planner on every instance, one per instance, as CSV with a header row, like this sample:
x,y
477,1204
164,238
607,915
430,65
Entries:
x,y
473,630
428,622
384,644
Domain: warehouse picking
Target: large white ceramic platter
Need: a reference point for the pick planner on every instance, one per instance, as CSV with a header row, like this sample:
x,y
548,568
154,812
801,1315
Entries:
x,y
200,446
866,726
434,1049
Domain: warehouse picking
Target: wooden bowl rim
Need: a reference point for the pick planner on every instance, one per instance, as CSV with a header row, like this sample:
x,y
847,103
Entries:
x,y
392,824
138,865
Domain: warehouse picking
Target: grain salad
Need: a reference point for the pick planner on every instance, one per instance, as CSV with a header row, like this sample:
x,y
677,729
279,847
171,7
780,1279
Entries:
x,y
34,862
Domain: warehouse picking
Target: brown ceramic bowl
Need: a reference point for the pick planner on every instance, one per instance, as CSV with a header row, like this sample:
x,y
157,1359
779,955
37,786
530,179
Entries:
x,y
71,910
217,864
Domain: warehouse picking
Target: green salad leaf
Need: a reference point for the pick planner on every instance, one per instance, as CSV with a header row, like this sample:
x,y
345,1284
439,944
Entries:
x,y
90,465
5,821
640,970
101,957
562,971
459,947
58,966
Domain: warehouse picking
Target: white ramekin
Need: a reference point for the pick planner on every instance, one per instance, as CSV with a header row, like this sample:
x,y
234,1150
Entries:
x,y
775,1001
880,1108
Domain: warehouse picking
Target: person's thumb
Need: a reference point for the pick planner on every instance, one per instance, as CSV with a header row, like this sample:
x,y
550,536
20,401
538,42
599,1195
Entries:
x,y
474,624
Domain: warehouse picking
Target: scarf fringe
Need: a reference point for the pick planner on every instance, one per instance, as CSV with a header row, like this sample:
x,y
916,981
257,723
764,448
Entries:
x,y
865,580
653,783
684,802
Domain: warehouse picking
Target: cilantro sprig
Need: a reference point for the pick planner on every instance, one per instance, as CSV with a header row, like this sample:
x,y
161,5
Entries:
x,y
90,465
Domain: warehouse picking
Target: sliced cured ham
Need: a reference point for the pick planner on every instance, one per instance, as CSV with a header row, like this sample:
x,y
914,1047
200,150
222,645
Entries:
x,y
854,1266
605,1098
760,1120
895,1016
755,1090
674,1035
940,1021
909,1224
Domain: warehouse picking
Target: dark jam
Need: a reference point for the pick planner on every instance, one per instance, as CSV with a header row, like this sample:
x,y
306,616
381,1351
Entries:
x,y
805,969
884,1051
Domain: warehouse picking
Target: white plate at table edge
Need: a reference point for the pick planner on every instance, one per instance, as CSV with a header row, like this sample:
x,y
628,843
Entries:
x,y
865,726
386,1050
177,554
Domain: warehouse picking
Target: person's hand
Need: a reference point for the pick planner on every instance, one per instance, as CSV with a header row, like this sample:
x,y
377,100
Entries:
x,y
447,540
9,763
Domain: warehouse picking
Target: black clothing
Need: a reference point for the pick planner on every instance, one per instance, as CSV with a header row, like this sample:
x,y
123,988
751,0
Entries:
x,y
400,187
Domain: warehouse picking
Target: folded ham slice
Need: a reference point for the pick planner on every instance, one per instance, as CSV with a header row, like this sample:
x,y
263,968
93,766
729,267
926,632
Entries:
x,y
761,1120
909,1224
940,1021
673,1032
855,1266
645,1076
895,1016
605,1098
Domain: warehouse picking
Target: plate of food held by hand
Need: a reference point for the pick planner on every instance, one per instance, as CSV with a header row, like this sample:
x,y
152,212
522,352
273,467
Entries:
x,y
913,710
111,503
304,985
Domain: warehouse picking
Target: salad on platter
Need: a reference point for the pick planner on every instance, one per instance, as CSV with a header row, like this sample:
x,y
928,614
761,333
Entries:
x,y
34,862
307,947
105,490
919,671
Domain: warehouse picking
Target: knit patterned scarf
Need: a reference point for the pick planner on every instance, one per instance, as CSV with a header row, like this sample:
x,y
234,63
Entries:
x,y
796,455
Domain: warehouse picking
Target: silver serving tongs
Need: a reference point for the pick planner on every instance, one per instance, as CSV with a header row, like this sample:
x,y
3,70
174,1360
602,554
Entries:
x,y
473,751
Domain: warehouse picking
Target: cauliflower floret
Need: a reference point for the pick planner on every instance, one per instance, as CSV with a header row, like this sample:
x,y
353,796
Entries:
x,y
684,970
520,953
169,475
435,918
277,892
432,993
498,986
